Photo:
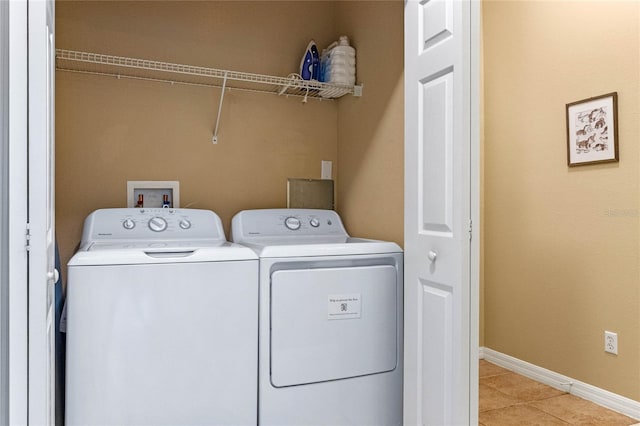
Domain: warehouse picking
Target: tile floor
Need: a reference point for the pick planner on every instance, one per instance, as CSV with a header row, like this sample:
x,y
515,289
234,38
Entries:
x,y
507,398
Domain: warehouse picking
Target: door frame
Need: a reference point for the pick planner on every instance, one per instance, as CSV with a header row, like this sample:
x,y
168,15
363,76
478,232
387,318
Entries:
x,y
475,177
17,187
27,347
41,211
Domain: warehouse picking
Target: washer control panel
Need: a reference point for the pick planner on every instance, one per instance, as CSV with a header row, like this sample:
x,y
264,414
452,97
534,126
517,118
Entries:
x,y
152,223
285,223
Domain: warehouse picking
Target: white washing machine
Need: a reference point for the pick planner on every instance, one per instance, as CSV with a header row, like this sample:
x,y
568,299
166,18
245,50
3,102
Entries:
x,y
330,339
161,322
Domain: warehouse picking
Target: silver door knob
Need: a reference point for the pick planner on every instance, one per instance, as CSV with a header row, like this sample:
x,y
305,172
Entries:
x,y
432,255
53,275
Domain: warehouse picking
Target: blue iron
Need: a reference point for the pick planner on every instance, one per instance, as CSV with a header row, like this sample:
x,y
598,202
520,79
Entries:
x,y
310,63
315,59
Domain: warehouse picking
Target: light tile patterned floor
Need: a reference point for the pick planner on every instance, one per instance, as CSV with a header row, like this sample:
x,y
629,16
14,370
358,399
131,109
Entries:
x,y
508,399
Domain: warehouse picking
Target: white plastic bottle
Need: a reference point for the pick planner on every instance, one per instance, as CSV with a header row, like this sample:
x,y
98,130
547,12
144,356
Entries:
x,y
339,63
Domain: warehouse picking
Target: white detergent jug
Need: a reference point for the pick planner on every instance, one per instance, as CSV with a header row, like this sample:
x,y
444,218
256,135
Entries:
x,y
339,63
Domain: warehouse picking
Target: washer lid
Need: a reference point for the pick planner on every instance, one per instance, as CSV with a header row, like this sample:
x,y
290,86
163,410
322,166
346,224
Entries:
x,y
185,252
142,236
155,245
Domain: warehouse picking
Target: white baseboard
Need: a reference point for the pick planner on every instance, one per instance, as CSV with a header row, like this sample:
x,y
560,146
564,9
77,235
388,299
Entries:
x,y
481,352
602,397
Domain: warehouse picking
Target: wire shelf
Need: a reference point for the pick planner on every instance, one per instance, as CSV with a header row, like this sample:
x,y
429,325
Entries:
x,y
119,66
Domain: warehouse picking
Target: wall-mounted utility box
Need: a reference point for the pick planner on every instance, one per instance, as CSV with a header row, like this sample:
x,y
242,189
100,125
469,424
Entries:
x,y
153,193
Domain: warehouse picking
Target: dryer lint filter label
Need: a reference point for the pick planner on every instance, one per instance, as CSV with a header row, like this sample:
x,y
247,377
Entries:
x,y
343,306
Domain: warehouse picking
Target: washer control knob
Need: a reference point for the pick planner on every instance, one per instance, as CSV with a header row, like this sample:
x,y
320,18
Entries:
x,y
128,224
314,222
185,224
292,223
157,224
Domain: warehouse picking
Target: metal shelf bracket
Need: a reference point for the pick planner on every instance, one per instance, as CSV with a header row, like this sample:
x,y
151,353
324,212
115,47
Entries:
x,y
224,86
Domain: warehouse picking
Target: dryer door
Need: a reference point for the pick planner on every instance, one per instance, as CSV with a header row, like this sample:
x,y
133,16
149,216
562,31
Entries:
x,y
332,323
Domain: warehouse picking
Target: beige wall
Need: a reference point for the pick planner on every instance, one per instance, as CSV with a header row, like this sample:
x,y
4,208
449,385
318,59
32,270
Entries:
x,y
109,131
559,269
371,128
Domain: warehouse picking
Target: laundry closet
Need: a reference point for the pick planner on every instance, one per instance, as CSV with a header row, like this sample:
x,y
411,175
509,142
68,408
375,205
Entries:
x,y
112,130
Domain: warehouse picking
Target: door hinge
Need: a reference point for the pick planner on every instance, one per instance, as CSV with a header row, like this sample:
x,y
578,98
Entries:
x,y
28,237
470,229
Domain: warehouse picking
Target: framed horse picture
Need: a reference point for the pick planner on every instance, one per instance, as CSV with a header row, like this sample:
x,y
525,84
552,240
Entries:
x,y
592,130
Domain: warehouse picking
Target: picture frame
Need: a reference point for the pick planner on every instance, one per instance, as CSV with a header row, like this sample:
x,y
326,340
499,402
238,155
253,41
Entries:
x,y
592,130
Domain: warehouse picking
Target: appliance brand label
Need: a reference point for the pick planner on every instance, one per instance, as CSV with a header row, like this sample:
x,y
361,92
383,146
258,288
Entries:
x,y
343,306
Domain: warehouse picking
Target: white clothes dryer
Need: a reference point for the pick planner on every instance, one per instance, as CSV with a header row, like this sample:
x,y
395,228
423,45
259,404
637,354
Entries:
x,y
330,338
161,322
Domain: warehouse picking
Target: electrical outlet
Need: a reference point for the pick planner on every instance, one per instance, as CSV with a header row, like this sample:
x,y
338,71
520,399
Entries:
x,y
325,172
611,342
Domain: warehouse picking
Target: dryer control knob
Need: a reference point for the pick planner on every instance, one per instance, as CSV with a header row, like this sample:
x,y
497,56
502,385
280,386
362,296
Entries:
x,y
157,224
128,224
185,224
314,222
292,223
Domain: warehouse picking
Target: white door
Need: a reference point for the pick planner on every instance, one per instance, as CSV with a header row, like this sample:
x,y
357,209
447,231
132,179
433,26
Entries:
x,y
441,137
42,274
